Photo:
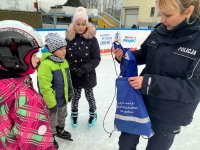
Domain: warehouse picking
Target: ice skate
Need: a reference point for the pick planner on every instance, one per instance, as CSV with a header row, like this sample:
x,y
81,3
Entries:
x,y
92,119
61,133
74,121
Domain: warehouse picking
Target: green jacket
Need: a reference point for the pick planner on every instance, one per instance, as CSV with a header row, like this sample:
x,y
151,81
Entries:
x,y
54,81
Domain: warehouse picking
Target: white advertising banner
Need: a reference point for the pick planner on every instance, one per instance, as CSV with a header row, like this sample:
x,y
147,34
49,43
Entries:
x,y
128,38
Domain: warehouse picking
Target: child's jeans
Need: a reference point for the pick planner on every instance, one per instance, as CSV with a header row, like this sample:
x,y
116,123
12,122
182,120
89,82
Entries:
x,y
58,118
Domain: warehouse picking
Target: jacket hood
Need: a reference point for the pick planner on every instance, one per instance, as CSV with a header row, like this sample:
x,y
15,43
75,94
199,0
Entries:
x,y
45,55
88,34
183,29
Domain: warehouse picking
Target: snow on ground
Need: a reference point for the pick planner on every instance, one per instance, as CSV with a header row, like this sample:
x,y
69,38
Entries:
x,y
96,138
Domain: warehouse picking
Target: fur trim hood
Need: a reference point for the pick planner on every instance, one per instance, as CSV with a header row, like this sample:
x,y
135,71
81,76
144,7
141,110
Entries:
x,y
89,34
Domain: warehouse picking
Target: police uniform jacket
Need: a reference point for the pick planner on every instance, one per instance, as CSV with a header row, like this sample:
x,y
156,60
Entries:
x,y
171,83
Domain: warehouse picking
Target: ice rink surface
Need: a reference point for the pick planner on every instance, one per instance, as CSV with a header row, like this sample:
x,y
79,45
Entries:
x,y
96,138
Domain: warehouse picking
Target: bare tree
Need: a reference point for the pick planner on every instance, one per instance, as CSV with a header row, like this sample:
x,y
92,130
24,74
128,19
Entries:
x,y
112,7
84,3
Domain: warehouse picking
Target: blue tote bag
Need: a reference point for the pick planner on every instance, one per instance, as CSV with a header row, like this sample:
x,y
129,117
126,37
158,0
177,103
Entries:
x,y
128,65
131,114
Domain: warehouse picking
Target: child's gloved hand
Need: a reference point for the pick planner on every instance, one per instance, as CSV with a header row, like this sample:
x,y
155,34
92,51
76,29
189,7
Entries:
x,y
80,72
73,68
70,97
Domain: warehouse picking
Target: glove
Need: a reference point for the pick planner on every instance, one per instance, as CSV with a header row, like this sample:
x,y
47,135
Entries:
x,y
80,72
73,68
69,98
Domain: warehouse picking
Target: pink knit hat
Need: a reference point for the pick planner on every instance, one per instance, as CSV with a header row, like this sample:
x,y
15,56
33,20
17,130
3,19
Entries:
x,y
80,13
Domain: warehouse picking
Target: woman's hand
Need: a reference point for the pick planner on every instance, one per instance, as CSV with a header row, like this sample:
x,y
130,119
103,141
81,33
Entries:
x,y
136,82
118,54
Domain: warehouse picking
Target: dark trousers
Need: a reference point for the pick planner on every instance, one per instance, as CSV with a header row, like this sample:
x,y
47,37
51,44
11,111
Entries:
x,y
89,96
161,140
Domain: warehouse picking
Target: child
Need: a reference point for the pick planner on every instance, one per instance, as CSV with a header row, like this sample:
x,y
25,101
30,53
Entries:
x,y
24,122
83,57
55,83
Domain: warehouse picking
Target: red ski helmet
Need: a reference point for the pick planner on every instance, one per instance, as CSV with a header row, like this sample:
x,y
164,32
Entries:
x,y
18,42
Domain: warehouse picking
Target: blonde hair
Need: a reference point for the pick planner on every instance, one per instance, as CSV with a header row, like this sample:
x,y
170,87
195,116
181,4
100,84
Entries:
x,y
181,5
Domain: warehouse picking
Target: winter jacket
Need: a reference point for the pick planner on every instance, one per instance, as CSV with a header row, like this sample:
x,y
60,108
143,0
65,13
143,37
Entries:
x,y
171,84
83,53
24,123
54,82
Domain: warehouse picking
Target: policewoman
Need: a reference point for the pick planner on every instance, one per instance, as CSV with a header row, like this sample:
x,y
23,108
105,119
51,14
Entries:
x,y
170,82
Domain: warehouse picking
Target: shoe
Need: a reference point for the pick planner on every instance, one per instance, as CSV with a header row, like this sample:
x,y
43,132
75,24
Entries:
x,y
55,143
74,121
92,119
61,133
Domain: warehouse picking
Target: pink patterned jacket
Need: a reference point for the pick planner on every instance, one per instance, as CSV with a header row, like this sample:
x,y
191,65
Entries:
x,y
24,123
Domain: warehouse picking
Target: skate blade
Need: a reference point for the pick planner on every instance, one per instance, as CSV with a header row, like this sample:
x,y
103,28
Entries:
x,y
69,139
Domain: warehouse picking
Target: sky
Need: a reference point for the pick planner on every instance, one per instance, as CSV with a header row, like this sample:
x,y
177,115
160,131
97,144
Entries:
x,y
96,138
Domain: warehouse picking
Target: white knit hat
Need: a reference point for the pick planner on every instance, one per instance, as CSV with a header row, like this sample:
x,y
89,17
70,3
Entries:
x,y
80,13
54,41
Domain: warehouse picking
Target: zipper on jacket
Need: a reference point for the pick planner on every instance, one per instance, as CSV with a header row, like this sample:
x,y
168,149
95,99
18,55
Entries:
x,y
148,85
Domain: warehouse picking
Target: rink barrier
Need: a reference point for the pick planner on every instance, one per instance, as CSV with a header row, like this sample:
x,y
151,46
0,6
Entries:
x,y
129,38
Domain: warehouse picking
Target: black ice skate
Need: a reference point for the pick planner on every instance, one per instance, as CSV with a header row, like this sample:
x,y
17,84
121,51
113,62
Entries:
x,y
61,133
